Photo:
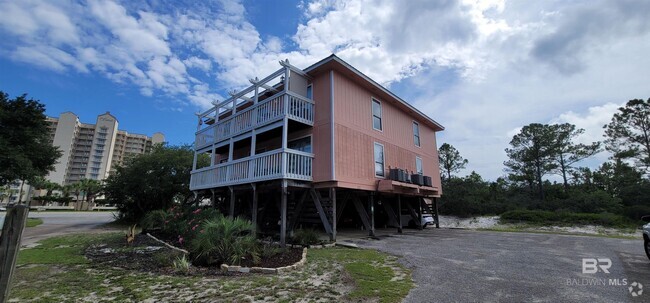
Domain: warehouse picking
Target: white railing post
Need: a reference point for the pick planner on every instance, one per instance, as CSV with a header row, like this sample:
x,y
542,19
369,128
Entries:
x,y
284,164
285,98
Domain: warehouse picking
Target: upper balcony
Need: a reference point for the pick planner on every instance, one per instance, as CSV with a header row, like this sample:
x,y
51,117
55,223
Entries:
x,y
274,108
285,94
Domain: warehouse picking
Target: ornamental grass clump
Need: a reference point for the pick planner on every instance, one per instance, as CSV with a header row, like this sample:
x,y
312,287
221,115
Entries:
x,y
224,240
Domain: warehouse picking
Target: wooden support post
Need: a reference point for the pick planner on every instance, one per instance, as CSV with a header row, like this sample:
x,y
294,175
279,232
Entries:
x,y
12,232
413,214
213,198
283,214
321,212
333,200
420,226
435,207
339,211
399,214
392,217
254,208
231,211
298,210
363,214
372,215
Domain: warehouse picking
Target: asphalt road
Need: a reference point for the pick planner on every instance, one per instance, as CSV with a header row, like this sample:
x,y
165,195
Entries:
x,y
451,265
64,222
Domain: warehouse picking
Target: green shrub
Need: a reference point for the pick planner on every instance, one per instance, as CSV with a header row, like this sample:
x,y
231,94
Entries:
x,y
305,237
224,240
178,223
595,201
59,199
565,218
268,249
155,219
635,212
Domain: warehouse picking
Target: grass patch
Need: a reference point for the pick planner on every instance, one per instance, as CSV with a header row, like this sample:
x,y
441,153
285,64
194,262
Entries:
x,y
32,222
61,250
375,275
57,271
541,217
530,228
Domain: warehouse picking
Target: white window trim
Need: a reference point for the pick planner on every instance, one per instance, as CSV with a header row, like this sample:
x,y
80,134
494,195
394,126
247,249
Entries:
x,y
372,115
419,137
312,90
416,165
383,160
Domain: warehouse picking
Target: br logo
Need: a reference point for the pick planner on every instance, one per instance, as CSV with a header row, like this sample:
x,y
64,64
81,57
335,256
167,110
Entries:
x,y
592,265
636,289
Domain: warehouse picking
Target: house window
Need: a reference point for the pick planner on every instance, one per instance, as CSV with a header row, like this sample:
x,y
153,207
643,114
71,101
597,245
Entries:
x,y
418,165
376,114
416,133
310,91
379,160
302,144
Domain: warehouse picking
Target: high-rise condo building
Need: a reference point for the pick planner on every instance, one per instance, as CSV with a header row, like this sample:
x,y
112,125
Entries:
x,y
91,151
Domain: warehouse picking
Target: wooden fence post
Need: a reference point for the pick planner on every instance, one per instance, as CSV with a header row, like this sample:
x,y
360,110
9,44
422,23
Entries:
x,y
12,231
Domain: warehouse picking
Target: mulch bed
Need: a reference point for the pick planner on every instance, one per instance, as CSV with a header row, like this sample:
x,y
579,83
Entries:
x,y
141,256
289,257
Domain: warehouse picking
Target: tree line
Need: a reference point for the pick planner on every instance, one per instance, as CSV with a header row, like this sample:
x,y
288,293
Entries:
x,y
620,185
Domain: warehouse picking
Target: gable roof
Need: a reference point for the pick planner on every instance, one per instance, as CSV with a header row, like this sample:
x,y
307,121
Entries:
x,y
334,60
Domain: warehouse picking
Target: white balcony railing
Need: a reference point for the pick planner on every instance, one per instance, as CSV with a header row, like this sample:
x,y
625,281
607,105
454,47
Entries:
x,y
271,109
275,164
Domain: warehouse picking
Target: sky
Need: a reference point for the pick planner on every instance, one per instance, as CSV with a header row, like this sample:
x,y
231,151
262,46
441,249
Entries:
x,y
482,69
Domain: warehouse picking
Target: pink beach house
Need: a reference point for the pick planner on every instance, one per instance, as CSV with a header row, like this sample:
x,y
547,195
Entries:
x,y
325,145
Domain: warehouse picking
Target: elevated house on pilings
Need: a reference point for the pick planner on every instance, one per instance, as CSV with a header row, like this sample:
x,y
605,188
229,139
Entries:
x,y
318,144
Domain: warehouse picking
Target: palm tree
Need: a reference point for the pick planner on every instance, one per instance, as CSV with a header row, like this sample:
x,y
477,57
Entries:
x,y
41,183
76,189
66,190
90,189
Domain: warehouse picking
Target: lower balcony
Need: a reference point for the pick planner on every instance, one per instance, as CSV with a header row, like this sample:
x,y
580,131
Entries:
x,y
274,164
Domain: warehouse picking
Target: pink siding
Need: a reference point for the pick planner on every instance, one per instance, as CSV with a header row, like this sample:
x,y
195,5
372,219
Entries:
x,y
322,170
355,136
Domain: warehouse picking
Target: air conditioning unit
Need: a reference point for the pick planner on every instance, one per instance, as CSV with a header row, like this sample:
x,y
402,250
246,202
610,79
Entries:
x,y
393,174
407,177
417,179
427,181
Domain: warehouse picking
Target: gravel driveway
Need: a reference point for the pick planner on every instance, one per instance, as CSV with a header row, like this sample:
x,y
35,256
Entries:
x,y
451,265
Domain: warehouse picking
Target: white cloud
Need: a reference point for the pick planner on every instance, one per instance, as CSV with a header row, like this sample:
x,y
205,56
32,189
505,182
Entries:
x,y
481,68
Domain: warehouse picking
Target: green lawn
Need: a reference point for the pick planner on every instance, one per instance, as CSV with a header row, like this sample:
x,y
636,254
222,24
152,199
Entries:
x,y
57,271
31,222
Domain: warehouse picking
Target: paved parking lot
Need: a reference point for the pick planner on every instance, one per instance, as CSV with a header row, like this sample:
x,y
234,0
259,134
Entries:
x,y
451,265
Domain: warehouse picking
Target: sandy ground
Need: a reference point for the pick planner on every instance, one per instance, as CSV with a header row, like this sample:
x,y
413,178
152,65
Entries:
x,y
492,222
